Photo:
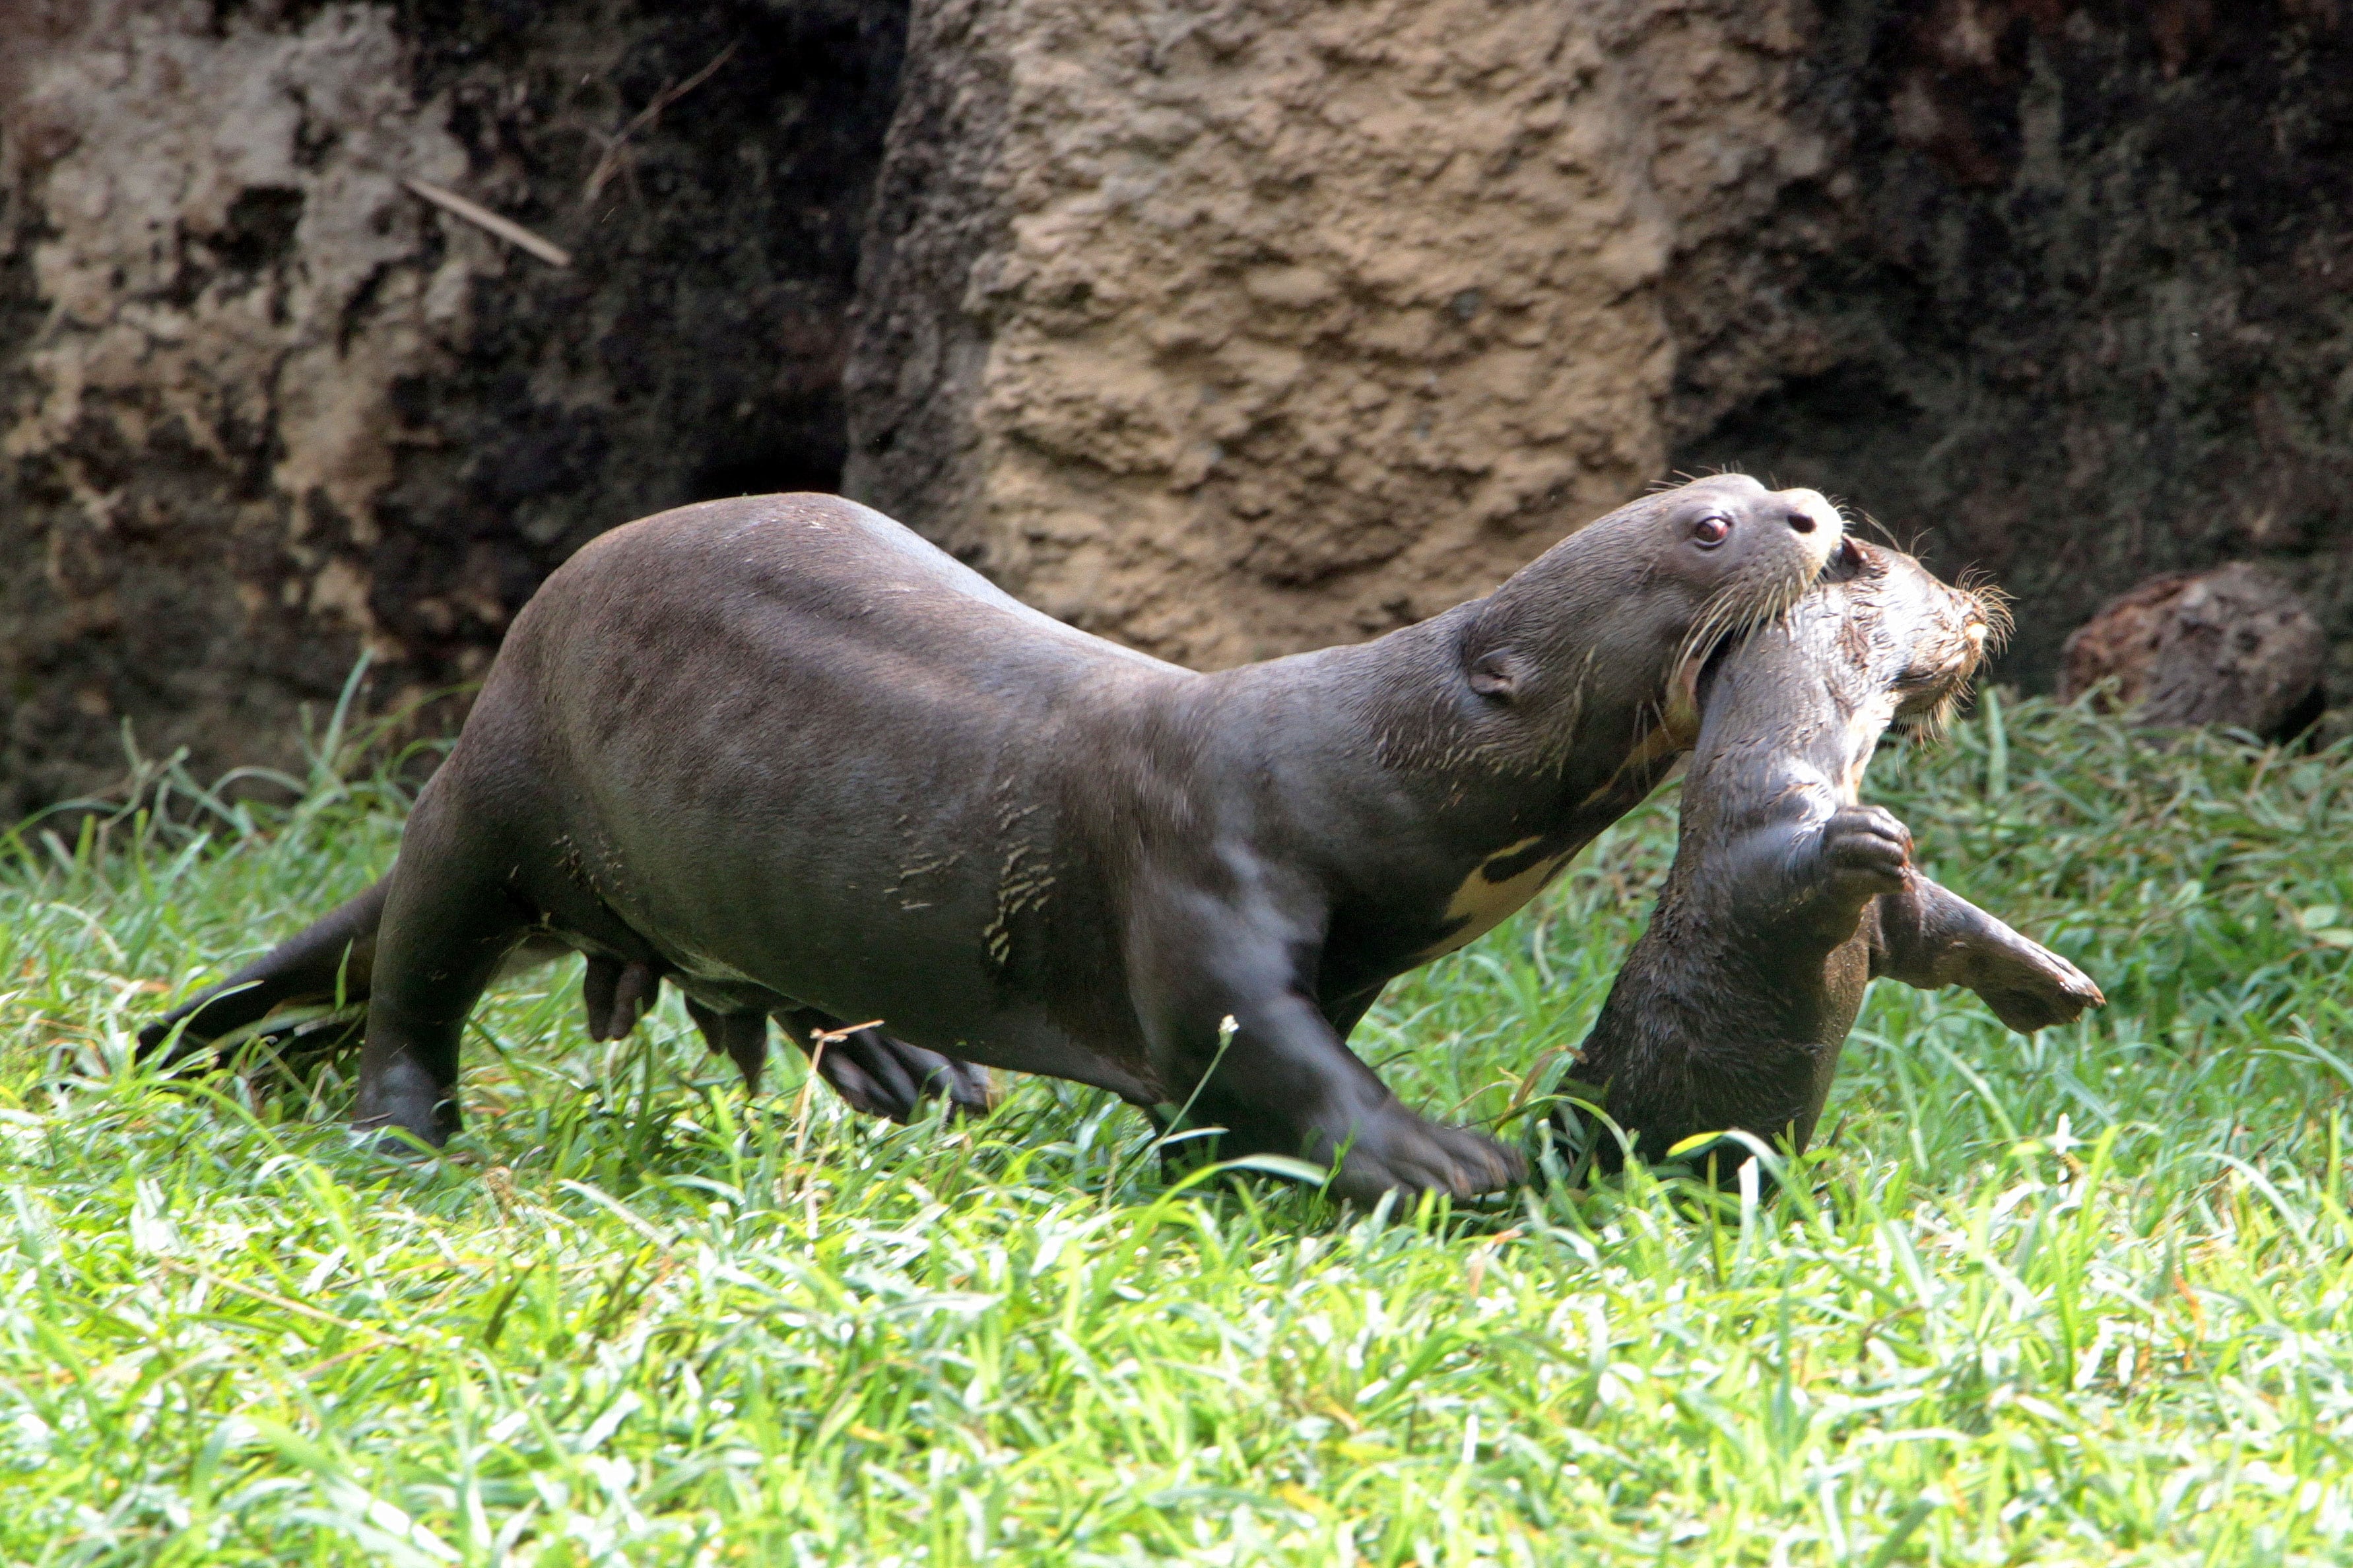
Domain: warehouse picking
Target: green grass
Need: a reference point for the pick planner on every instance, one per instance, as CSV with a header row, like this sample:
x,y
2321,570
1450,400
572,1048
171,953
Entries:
x,y
2074,1299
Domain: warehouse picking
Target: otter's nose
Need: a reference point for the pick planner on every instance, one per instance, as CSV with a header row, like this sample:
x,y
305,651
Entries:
x,y
1816,528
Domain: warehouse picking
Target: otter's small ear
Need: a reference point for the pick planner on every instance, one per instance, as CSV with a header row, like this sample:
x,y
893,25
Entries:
x,y
1496,674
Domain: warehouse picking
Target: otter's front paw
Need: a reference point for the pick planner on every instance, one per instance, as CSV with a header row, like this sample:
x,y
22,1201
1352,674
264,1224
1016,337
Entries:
x,y
1866,849
1392,1150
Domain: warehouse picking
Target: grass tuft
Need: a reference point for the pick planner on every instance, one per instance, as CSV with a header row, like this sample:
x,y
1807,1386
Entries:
x,y
2071,1298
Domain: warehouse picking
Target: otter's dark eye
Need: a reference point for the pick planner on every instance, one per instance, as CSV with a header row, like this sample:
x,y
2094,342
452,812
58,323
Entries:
x,y
1710,531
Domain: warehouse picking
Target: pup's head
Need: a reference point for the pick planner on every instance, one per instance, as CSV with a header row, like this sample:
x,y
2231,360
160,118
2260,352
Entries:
x,y
1883,643
1912,636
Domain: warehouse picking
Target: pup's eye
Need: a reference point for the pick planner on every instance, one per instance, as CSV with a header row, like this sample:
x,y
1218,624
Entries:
x,y
1710,531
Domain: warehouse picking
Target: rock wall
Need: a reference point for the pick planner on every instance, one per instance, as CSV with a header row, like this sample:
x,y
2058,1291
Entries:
x,y
1233,330
1225,327
2089,313
261,408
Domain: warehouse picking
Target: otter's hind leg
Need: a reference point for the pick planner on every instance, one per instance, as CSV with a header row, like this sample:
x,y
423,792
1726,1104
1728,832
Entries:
x,y
1928,936
884,1075
449,920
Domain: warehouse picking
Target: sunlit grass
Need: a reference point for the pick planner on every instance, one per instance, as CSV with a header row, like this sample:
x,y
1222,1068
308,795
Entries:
x,y
2074,1299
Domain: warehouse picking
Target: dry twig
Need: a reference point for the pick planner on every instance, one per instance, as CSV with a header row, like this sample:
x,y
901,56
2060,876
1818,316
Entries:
x,y
617,148
817,1043
483,218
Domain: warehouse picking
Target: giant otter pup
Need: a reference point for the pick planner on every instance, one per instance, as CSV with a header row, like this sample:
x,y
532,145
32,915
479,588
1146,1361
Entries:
x,y
1786,897
783,753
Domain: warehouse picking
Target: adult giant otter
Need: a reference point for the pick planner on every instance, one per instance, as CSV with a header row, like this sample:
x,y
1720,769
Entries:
x,y
1787,895
784,753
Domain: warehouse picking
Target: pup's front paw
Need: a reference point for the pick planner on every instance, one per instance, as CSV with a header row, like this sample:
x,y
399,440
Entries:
x,y
1866,849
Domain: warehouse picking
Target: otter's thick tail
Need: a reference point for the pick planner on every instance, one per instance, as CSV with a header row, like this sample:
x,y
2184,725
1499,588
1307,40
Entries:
x,y
329,964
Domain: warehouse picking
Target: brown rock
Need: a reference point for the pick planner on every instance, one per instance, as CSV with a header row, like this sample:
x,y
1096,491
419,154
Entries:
x,y
1233,331
261,408
2230,645
1229,328
1223,328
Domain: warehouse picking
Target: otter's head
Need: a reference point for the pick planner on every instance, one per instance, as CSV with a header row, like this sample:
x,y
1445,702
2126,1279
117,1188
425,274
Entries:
x,y
1632,604
1912,642
1885,643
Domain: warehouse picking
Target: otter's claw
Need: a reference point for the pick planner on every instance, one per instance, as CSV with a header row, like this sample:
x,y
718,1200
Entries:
x,y
886,1077
1396,1151
1868,847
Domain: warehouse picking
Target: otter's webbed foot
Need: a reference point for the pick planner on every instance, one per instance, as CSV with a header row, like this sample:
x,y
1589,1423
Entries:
x,y
2030,987
154,1036
1928,936
884,1075
1384,1149
1281,1081
1394,1150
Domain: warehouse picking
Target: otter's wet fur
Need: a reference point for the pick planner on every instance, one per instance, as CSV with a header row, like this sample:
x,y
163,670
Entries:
x,y
782,754
1787,897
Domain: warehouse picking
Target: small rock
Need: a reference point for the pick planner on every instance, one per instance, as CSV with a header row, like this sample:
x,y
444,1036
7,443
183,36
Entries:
x,y
2230,645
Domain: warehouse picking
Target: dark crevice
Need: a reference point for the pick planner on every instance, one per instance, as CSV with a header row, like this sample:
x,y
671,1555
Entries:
x,y
692,349
2082,360
260,233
